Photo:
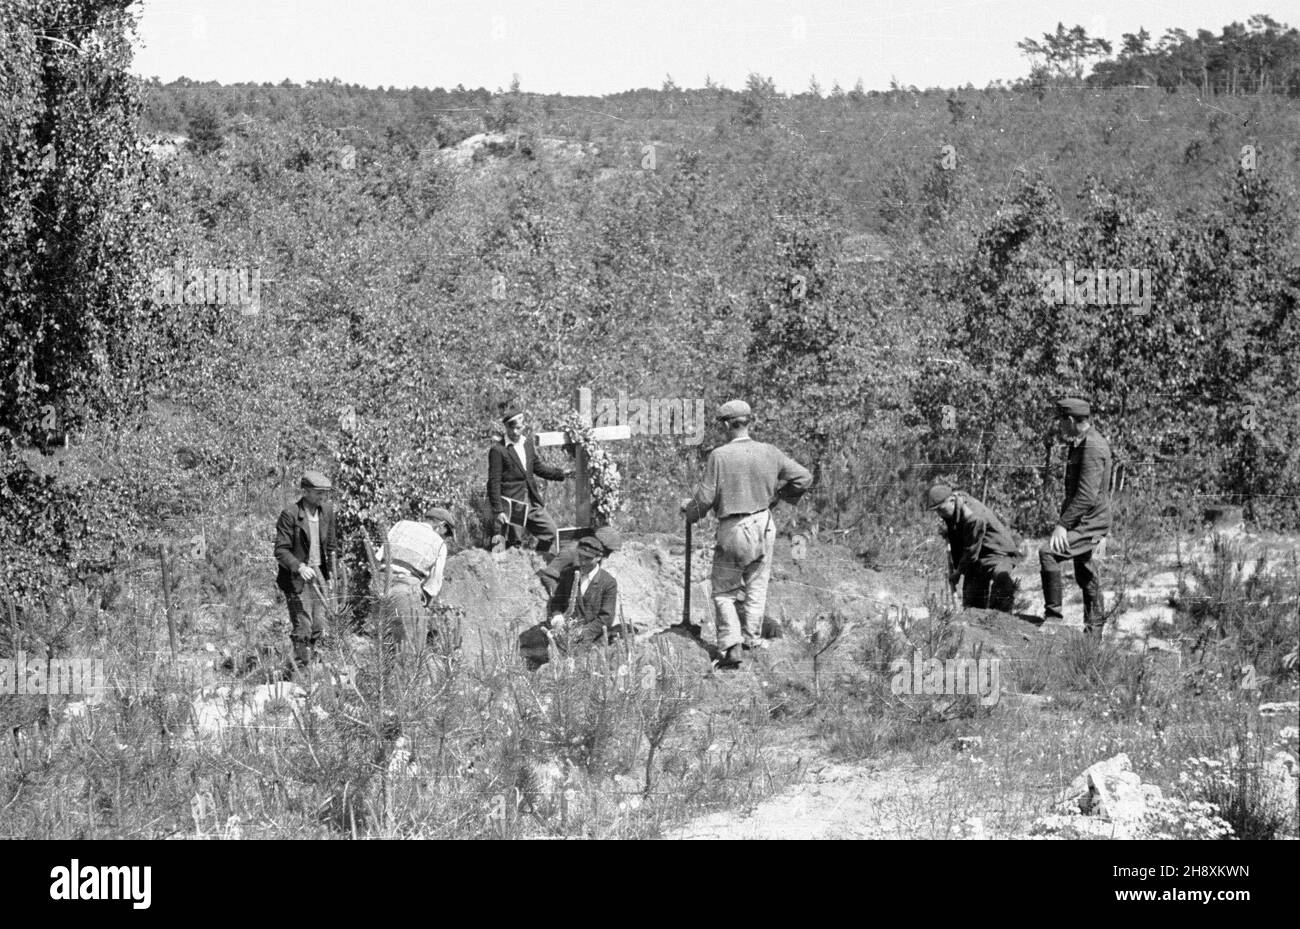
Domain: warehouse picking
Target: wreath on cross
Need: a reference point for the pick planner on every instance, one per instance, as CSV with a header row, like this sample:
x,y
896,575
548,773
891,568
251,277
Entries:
x,y
606,481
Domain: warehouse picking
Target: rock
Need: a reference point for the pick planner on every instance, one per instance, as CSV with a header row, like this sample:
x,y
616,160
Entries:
x,y
973,828
1116,796
1224,517
219,709
1280,787
1279,709
1059,826
969,743
1079,797
547,776
1027,701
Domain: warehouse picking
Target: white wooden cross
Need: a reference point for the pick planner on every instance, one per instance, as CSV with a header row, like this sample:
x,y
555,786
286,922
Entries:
x,y
582,478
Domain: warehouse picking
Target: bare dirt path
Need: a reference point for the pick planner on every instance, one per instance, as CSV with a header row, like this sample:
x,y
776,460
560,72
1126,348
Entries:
x,y
861,800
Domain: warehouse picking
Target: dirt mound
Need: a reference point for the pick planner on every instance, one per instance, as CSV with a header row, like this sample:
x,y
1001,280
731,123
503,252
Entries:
x,y
996,635
502,596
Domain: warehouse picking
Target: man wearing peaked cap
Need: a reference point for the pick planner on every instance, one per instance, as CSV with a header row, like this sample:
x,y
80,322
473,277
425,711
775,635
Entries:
x,y
608,536
558,576
1085,516
591,614
733,409
983,551
514,466
304,542
743,480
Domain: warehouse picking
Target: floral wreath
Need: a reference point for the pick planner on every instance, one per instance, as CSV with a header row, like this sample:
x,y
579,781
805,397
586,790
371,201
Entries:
x,y
606,482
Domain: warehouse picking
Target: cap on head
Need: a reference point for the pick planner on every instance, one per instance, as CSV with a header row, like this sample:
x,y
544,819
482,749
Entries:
x,y
1073,406
609,538
437,513
937,495
589,546
734,408
315,480
510,411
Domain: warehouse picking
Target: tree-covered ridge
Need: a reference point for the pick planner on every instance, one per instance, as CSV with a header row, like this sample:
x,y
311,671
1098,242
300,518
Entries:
x,y
1262,56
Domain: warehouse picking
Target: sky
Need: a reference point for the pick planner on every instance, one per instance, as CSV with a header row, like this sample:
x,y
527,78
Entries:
x,y
606,46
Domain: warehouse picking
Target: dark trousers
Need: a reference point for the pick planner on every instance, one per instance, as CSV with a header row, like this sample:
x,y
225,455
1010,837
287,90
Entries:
x,y
541,526
306,622
988,584
1079,551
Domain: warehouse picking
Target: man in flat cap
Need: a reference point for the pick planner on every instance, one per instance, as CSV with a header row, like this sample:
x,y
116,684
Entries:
x,y
415,553
512,490
592,613
1085,515
558,576
304,542
743,480
983,550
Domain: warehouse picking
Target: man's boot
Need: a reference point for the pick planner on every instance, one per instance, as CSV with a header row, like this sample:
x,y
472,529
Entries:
x,y
1053,594
731,658
1094,609
301,653
1003,594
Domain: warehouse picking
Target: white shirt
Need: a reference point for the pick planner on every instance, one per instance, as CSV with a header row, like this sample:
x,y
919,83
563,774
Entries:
x,y
313,539
420,545
584,581
521,449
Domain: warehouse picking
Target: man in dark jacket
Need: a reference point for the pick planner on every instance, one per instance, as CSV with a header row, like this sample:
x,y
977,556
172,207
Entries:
x,y
558,576
304,542
983,550
1085,516
591,615
513,468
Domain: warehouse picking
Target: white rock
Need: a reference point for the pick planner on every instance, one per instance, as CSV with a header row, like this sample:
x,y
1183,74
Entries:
x,y
1117,795
1279,709
1078,797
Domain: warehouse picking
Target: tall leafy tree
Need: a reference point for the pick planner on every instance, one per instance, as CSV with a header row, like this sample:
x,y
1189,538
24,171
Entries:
x,y
75,217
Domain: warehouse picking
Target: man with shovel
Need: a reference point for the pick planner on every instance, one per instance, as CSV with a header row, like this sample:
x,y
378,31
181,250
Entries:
x,y
304,542
743,480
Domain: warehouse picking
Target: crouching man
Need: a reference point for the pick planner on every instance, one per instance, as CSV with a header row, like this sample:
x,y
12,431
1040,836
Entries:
x,y
591,614
982,550
416,553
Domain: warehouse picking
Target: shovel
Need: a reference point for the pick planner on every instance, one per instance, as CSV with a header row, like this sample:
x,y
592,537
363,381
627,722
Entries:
x,y
686,593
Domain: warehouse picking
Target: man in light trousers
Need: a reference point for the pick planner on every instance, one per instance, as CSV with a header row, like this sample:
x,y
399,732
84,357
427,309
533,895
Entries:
x,y
415,553
743,480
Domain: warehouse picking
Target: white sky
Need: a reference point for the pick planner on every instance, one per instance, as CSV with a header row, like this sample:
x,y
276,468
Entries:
x,y
605,46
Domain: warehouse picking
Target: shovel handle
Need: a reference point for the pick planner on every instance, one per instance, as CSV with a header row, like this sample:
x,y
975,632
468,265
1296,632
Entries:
x,y
686,579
